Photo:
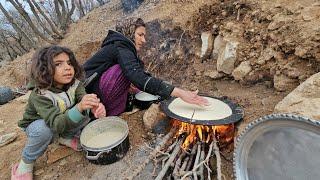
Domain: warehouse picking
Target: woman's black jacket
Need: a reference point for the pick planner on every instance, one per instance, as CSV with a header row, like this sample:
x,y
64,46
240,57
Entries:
x,y
117,49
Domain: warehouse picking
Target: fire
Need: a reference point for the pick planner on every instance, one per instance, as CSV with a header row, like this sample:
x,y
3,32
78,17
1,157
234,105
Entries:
x,y
223,133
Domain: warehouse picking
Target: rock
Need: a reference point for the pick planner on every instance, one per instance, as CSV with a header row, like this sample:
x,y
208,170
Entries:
x,y
63,162
265,56
275,25
214,74
284,83
153,116
304,100
59,153
7,138
207,44
38,172
300,51
242,70
227,58
6,95
218,45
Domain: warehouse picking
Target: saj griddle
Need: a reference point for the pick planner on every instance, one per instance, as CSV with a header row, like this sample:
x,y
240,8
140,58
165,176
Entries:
x,y
222,111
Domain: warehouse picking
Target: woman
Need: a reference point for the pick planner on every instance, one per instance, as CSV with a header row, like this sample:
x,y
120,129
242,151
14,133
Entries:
x,y
117,65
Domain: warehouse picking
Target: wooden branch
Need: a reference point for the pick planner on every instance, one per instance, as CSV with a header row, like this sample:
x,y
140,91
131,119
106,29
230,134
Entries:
x,y
155,162
205,161
153,154
184,165
193,153
197,156
27,18
216,152
209,171
170,160
195,176
17,28
178,164
170,148
50,22
202,155
158,151
164,162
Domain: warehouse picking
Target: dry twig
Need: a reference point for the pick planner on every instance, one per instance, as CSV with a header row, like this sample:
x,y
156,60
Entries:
x,y
170,160
197,166
158,151
217,153
153,154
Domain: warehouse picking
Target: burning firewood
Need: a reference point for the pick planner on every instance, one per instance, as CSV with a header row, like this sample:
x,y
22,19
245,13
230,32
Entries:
x,y
153,154
170,160
192,148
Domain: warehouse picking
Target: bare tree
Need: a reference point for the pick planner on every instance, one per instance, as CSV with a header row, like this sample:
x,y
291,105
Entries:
x,y
25,15
49,21
17,28
80,8
63,13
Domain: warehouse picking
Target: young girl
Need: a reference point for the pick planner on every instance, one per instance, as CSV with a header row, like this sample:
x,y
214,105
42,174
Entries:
x,y
58,104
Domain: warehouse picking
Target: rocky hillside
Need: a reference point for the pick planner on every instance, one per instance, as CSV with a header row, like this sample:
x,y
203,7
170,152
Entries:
x,y
246,50
249,41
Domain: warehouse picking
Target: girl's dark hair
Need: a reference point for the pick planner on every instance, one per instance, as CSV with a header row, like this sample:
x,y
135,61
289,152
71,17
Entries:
x,y
43,67
128,27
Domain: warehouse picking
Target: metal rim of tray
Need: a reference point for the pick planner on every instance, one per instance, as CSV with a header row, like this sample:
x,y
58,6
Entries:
x,y
237,113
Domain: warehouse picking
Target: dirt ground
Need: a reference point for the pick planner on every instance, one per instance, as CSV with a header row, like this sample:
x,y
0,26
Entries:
x,y
174,28
257,101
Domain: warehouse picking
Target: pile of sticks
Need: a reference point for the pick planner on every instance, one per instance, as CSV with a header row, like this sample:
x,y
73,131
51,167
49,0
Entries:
x,y
174,162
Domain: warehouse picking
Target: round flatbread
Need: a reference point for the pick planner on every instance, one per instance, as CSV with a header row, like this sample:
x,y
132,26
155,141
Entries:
x,y
215,111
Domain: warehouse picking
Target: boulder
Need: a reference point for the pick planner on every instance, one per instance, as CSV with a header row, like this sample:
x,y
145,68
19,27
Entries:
x,y
6,95
304,100
242,70
154,117
214,74
227,57
282,82
207,44
218,45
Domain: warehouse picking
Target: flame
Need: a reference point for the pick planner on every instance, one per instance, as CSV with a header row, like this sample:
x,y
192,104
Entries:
x,y
223,133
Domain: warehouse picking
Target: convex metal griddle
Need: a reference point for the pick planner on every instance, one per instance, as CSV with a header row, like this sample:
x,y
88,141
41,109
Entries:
x,y
235,115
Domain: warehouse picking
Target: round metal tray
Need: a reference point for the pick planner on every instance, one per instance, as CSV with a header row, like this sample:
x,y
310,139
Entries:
x,y
278,146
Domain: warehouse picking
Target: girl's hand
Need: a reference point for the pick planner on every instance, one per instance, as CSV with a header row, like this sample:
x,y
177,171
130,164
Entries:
x,y
191,97
99,111
88,101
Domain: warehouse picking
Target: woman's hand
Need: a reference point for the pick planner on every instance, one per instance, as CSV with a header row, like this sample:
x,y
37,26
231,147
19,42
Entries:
x,y
191,97
99,111
88,101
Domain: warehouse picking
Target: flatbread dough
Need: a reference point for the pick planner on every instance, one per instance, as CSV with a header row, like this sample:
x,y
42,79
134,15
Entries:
x,y
105,139
143,96
215,111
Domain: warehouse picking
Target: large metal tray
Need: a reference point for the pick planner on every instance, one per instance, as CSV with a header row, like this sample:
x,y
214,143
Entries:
x,y
278,147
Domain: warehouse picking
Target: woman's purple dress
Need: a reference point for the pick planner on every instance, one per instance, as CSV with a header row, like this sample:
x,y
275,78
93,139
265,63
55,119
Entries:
x,y
114,87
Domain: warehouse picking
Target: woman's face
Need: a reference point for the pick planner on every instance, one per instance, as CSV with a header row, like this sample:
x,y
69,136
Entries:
x,y
139,37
